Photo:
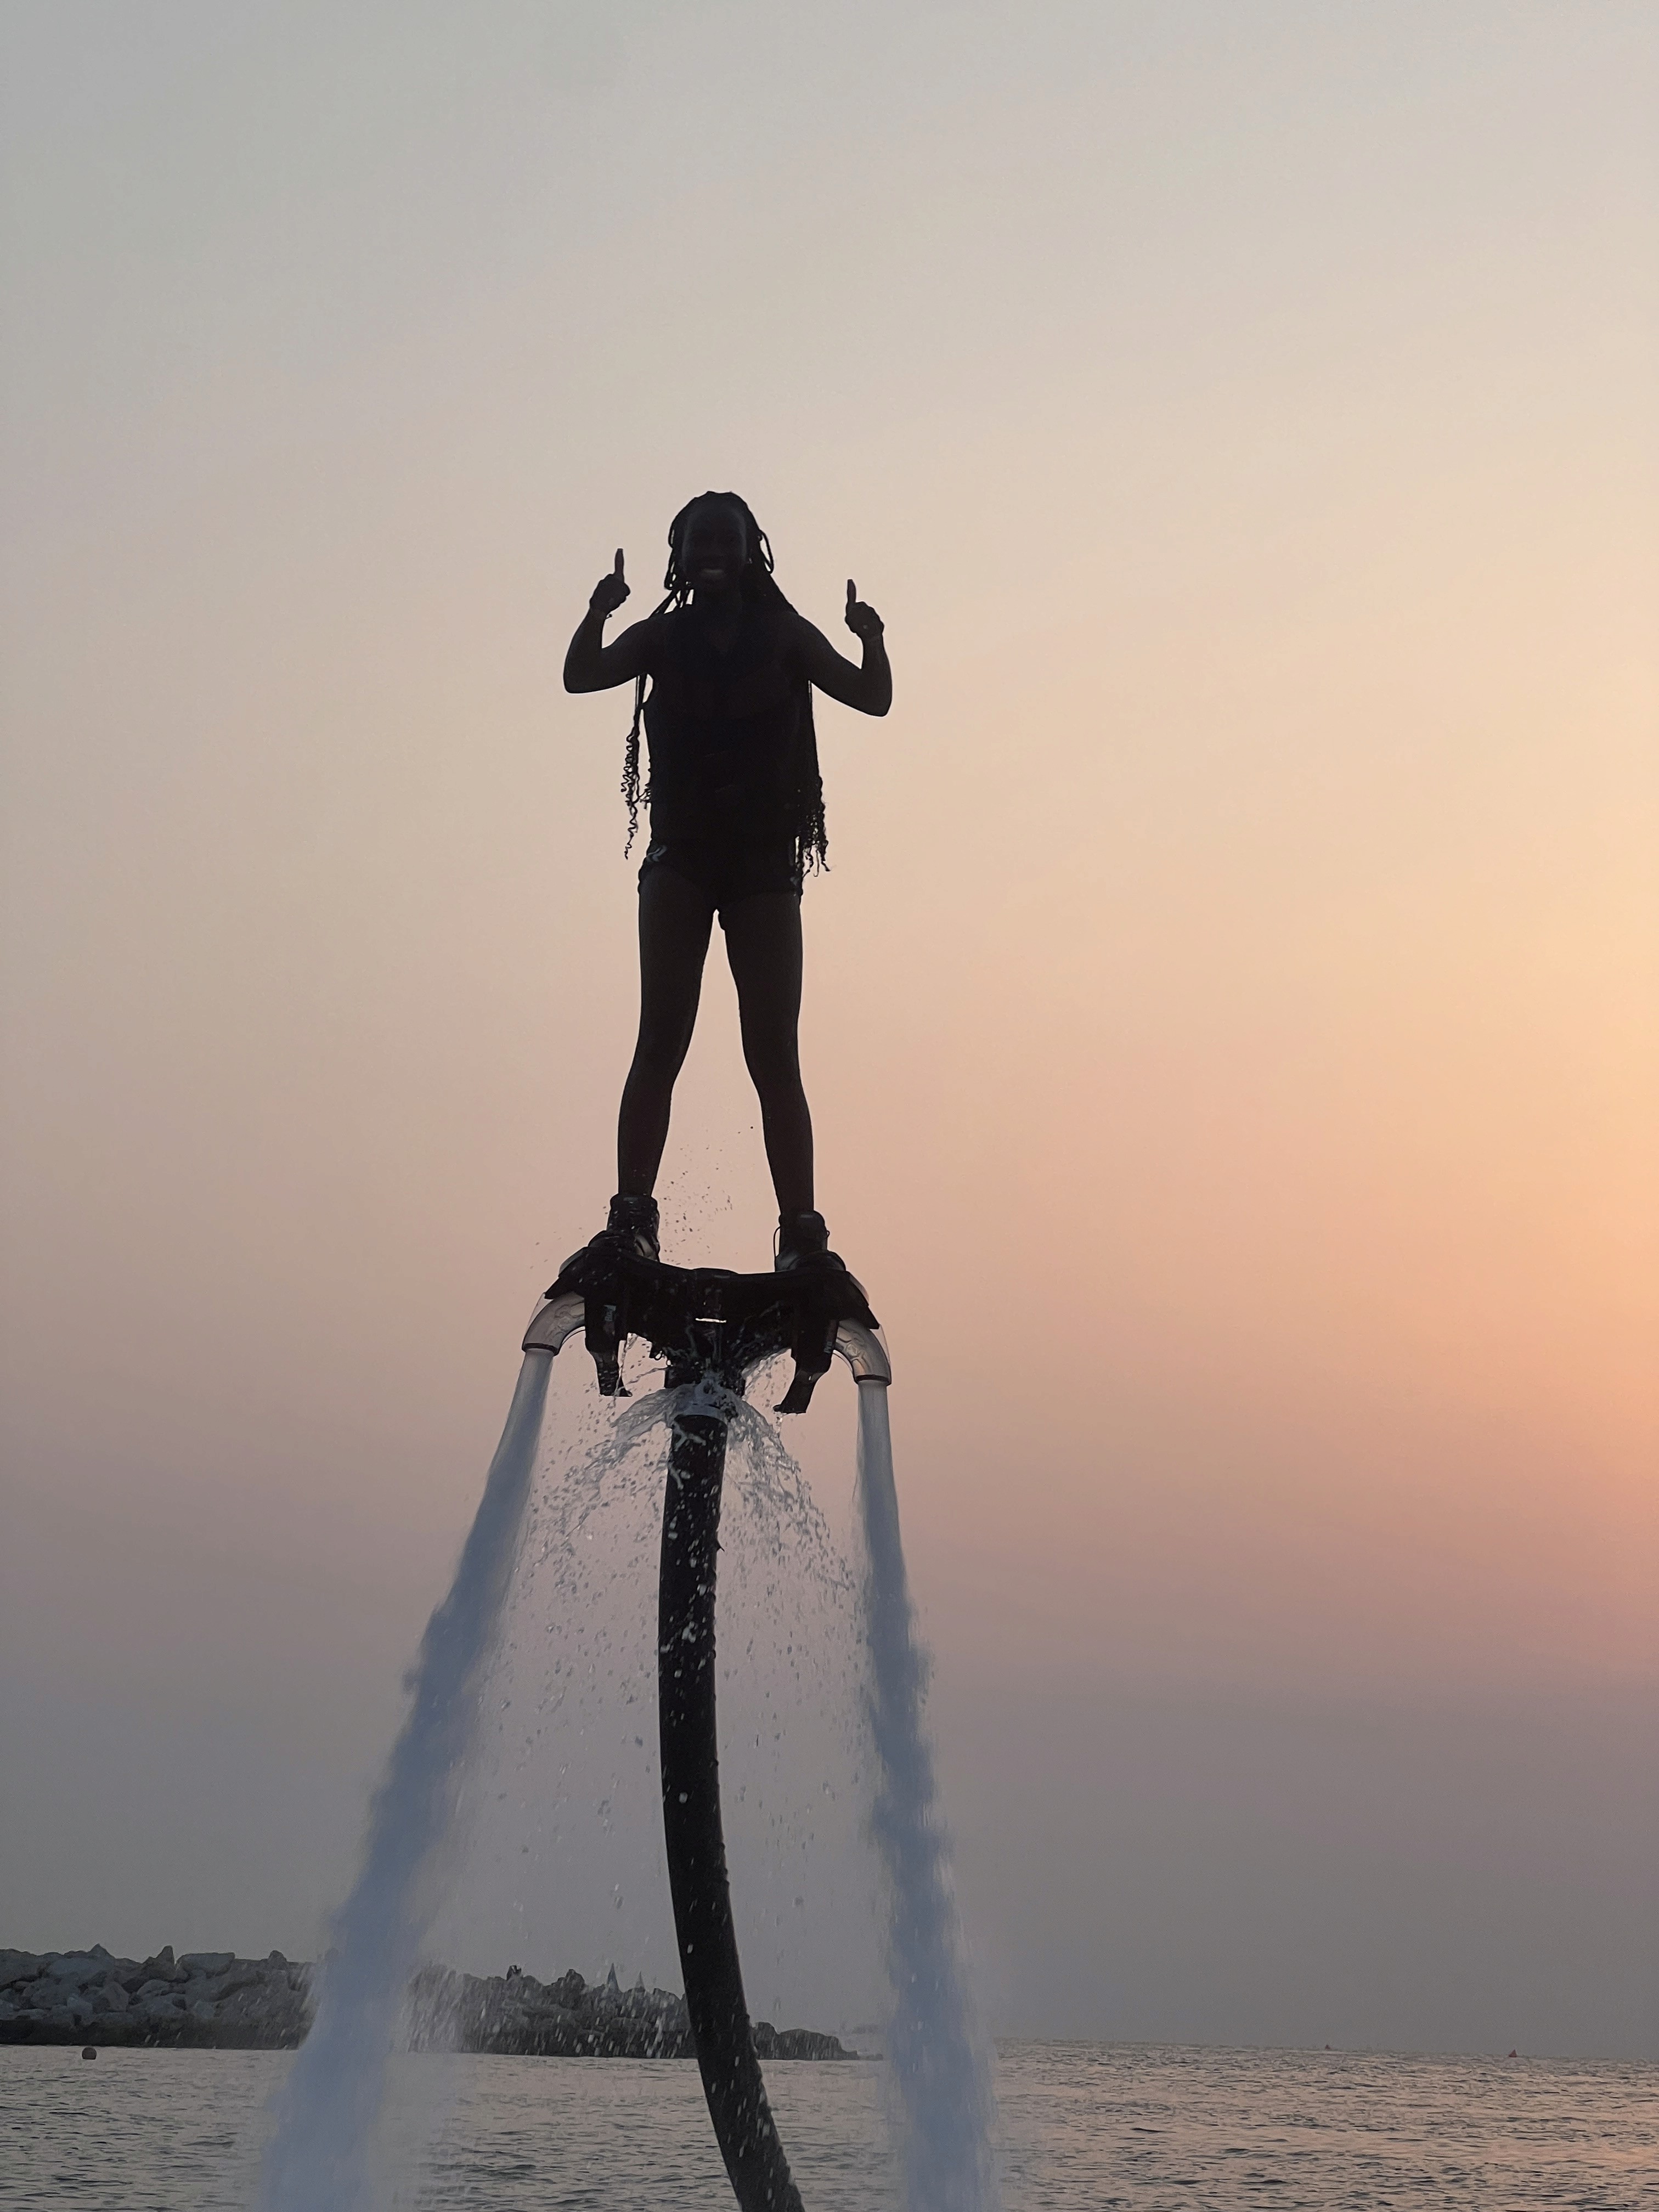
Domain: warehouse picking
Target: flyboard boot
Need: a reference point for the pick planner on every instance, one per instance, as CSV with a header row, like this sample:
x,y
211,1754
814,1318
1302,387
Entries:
x,y
631,1228
628,1238
803,1245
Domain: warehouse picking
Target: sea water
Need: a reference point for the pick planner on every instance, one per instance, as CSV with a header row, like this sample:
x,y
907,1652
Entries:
x,y
1083,2128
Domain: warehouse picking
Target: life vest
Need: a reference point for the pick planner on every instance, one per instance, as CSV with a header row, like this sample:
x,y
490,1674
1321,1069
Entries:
x,y
733,752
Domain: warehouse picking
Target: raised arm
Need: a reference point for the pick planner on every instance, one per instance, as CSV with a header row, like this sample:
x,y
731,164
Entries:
x,y
870,689
590,665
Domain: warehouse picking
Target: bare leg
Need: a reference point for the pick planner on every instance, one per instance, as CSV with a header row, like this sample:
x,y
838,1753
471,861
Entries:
x,y
674,924
764,945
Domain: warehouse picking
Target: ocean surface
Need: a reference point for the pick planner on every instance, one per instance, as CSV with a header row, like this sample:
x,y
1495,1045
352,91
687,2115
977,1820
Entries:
x,y
1083,2127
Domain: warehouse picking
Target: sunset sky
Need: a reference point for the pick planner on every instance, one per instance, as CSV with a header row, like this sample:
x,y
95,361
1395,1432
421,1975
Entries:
x,y
1232,1014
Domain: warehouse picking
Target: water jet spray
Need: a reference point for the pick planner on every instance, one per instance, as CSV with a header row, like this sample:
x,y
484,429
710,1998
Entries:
x,y
713,1329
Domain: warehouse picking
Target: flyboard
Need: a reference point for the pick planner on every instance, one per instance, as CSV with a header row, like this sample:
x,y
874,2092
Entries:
x,y
713,1327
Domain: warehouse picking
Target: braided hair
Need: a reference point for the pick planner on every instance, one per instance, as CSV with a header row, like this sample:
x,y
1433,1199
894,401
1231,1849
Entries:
x,y
759,589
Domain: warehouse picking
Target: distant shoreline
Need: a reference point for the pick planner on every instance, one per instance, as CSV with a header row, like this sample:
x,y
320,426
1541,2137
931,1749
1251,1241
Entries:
x,y
212,1999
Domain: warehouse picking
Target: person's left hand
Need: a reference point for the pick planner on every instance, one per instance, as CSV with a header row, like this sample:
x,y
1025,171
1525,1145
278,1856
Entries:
x,y
863,622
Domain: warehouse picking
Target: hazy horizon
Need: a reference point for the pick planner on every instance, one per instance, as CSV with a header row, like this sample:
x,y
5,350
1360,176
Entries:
x,y
1232,1010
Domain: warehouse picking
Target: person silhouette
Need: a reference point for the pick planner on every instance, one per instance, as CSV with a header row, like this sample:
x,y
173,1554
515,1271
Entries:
x,y
736,802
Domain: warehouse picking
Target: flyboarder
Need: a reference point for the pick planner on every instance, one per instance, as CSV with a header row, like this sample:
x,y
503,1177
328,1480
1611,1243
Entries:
x,y
737,824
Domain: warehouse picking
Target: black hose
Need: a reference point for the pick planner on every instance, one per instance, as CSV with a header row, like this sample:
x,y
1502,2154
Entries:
x,y
725,2041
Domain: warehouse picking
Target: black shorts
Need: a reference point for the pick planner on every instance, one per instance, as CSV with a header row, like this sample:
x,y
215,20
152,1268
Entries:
x,y
728,870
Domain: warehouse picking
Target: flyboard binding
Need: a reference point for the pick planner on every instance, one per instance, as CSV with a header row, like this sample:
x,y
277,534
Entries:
x,y
709,1324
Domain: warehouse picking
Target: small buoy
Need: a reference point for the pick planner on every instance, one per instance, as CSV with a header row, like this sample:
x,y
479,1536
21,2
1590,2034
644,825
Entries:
x,y
89,2051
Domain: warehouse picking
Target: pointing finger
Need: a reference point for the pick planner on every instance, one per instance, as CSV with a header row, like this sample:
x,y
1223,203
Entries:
x,y
619,561
851,593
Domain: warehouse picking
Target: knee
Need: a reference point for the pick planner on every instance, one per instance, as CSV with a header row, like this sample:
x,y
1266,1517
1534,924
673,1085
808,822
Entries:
x,y
660,1054
774,1069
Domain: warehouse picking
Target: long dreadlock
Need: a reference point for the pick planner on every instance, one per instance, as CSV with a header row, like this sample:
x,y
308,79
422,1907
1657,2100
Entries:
x,y
760,589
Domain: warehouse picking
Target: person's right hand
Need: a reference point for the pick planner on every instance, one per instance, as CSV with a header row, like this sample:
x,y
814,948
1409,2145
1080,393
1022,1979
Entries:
x,y
611,591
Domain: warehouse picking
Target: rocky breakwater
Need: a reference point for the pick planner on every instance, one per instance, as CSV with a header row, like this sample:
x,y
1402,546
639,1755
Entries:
x,y
209,1997
213,1999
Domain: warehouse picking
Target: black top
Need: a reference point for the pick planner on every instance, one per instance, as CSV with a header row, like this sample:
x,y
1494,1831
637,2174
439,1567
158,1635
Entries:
x,y
733,750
